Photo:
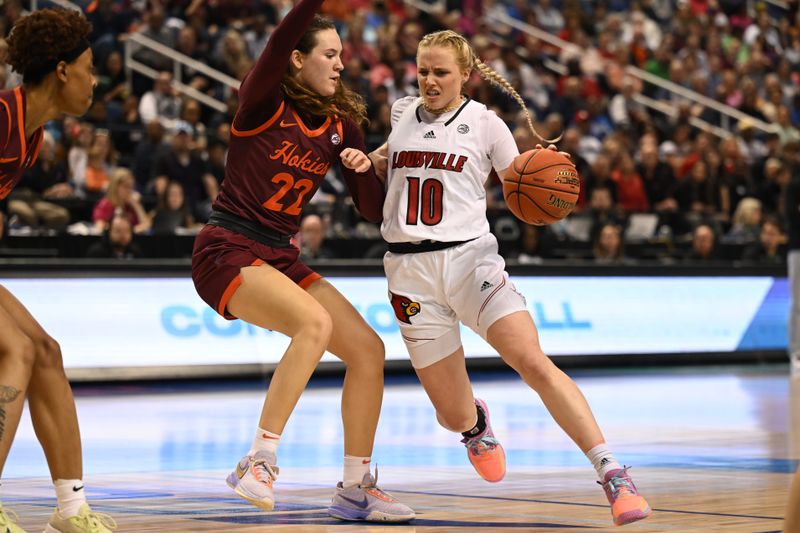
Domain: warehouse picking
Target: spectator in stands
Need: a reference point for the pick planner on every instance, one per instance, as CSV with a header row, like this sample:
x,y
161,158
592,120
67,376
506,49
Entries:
x,y
183,164
746,226
530,245
155,29
121,198
607,246
312,239
149,150
769,248
97,172
599,175
217,155
786,130
697,195
162,103
78,156
704,244
172,214
631,193
117,242
548,16
659,180
231,55
45,180
112,85
192,115
187,45
623,110
257,35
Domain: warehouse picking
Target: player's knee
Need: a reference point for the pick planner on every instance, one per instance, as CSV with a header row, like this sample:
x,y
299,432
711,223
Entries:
x,y
19,351
535,368
374,351
317,328
48,352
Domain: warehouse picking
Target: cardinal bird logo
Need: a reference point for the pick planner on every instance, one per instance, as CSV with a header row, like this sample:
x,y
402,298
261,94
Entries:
x,y
404,308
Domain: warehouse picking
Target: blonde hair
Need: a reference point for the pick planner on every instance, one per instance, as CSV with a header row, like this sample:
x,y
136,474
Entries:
x,y
119,175
466,59
744,211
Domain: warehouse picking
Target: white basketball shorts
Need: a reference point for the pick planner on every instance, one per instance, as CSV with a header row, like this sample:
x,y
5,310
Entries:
x,y
431,292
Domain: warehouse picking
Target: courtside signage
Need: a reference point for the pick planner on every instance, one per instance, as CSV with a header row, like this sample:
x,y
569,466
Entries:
x,y
113,322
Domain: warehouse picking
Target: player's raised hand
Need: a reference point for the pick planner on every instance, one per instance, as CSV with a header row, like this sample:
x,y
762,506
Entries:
x,y
355,160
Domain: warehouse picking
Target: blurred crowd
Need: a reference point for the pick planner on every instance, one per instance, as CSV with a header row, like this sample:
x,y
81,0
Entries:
x,y
152,159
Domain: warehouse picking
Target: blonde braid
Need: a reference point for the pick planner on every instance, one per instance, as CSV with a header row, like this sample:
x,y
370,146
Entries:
x,y
490,75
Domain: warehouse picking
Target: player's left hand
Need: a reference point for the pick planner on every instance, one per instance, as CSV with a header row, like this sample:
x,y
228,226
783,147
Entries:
x,y
355,160
554,148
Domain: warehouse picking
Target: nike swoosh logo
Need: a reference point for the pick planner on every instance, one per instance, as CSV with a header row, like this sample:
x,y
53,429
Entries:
x,y
265,436
8,159
365,461
240,472
360,504
76,489
287,124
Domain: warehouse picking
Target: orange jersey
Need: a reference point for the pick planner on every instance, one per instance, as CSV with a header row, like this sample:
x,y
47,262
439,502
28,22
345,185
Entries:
x,y
18,153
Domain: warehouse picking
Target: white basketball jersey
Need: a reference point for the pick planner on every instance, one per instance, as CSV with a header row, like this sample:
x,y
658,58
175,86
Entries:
x,y
437,169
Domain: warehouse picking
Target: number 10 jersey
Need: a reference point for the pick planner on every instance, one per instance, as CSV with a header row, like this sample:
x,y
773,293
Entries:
x,y
437,169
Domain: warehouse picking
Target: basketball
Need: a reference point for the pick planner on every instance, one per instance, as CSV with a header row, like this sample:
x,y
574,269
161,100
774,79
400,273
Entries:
x,y
541,187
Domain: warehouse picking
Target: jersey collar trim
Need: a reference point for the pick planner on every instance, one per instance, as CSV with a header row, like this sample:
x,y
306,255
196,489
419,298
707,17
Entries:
x,y
451,119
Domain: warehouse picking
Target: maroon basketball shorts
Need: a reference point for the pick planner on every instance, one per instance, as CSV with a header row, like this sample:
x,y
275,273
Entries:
x,y
219,255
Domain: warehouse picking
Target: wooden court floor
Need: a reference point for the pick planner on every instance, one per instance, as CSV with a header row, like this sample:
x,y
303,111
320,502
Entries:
x,y
711,448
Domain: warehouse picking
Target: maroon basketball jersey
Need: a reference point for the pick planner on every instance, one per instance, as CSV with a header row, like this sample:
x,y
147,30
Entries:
x,y
18,153
273,170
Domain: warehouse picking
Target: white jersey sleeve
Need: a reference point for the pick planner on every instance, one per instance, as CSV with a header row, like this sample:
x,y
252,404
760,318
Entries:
x,y
437,169
501,143
399,106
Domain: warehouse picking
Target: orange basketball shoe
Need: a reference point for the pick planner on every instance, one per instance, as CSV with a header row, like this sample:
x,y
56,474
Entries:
x,y
627,505
484,452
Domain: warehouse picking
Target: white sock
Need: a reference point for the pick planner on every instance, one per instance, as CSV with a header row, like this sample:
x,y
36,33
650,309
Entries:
x,y
265,441
70,495
354,470
602,460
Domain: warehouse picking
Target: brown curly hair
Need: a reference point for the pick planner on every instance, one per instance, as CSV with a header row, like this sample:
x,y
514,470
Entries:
x,y
343,103
42,39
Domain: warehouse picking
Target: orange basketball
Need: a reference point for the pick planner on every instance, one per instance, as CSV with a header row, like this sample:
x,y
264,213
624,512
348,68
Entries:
x,y
541,187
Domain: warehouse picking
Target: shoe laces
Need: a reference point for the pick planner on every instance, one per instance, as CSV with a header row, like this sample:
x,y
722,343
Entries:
x,y
620,484
269,470
480,445
96,521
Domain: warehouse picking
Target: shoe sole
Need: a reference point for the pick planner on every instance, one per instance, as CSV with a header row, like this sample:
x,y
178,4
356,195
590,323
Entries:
x,y
261,504
50,529
632,516
352,515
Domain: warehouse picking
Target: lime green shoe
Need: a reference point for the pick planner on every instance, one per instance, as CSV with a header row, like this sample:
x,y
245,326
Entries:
x,y
8,524
86,521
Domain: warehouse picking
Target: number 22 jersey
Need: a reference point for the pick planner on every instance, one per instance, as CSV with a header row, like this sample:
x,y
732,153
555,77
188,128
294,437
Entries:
x,y
437,168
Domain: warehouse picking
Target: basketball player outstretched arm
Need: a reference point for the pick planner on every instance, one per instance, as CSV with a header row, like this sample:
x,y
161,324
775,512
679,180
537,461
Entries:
x,y
260,93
